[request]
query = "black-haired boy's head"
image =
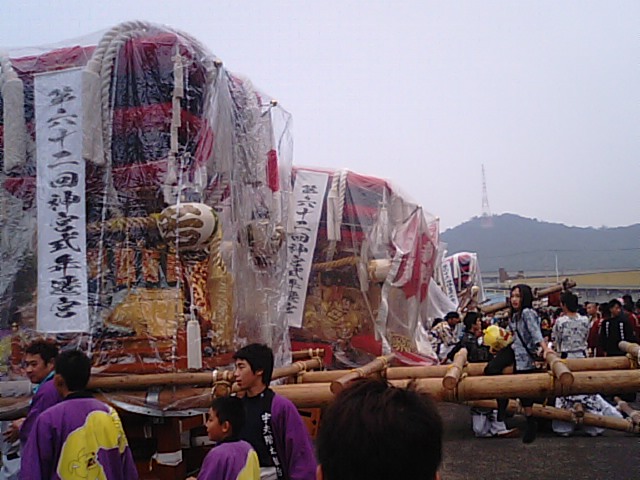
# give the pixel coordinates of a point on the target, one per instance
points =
(570, 301)
(226, 418)
(259, 357)
(373, 431)
(470, 320)
(74, 367)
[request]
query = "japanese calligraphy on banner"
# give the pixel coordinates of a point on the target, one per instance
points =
(62, 276)
(304, 219)
(449, 284)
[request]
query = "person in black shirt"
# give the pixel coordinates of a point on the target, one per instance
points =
(615, 329)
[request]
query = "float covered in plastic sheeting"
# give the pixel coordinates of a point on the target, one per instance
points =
(143, 189)
(360, 259)
(460, 278)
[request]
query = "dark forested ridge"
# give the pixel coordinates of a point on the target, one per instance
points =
(518, 243)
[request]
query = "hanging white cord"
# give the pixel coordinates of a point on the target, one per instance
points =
(335, 211)
(15, 127)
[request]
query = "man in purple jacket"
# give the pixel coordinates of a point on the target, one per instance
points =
(40, 357)
(273, 425)
(80, 437)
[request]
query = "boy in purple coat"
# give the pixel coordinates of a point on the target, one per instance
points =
(273, 425)
(232, 458)
(79, 437)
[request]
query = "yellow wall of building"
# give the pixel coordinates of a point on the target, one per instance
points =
(610, 279)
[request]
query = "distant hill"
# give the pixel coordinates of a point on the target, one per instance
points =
(518, 243)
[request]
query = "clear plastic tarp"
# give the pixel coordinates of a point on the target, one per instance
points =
(366, 289)
(143, 194)
(150, 216)
(461, 280)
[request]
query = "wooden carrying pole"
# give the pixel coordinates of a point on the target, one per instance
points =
(559, 369)
(632, 349)
(533, 385)
(136, 382)
(471, 369)
(306, 354)
(625, 408)
(570, 416)
(454, 371)
(370, 368)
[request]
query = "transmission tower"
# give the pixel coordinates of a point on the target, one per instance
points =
(487, 221)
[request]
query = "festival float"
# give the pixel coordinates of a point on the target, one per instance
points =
(150, 215)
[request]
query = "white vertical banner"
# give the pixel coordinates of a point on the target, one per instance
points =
(62, 273)
(304, 218)
(447, 278)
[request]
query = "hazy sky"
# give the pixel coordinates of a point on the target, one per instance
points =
(545, 94)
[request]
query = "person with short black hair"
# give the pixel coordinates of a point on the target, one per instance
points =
(79, 436)
(39, 360)
(570, 334)
(443, 335)
(231, 458)
(374, 431)
(571, 330)
(273, 425)
(614, 330)
(628, 311)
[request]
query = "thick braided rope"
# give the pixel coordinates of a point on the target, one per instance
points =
(342, 192)
(214, 249)
(324, 266)
(105, 55)
(106, 70)
(122, 224)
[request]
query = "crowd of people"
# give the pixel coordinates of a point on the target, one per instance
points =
(66, 433)
(372, 430)
(571, 331)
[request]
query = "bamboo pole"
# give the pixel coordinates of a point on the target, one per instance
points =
(552, 413)
(632, 349)
(297, 367)
(307, 354)
(471, 369)
(454, 371)
(559, 368)
(537, 385)
(625, 408)
(533, 385)
(373, 366)
(133, 382)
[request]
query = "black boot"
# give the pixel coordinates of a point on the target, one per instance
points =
(531, 430)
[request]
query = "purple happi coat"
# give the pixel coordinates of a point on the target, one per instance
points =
(79, 437)
(231, 460)
(46, 396)
(292, 439)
